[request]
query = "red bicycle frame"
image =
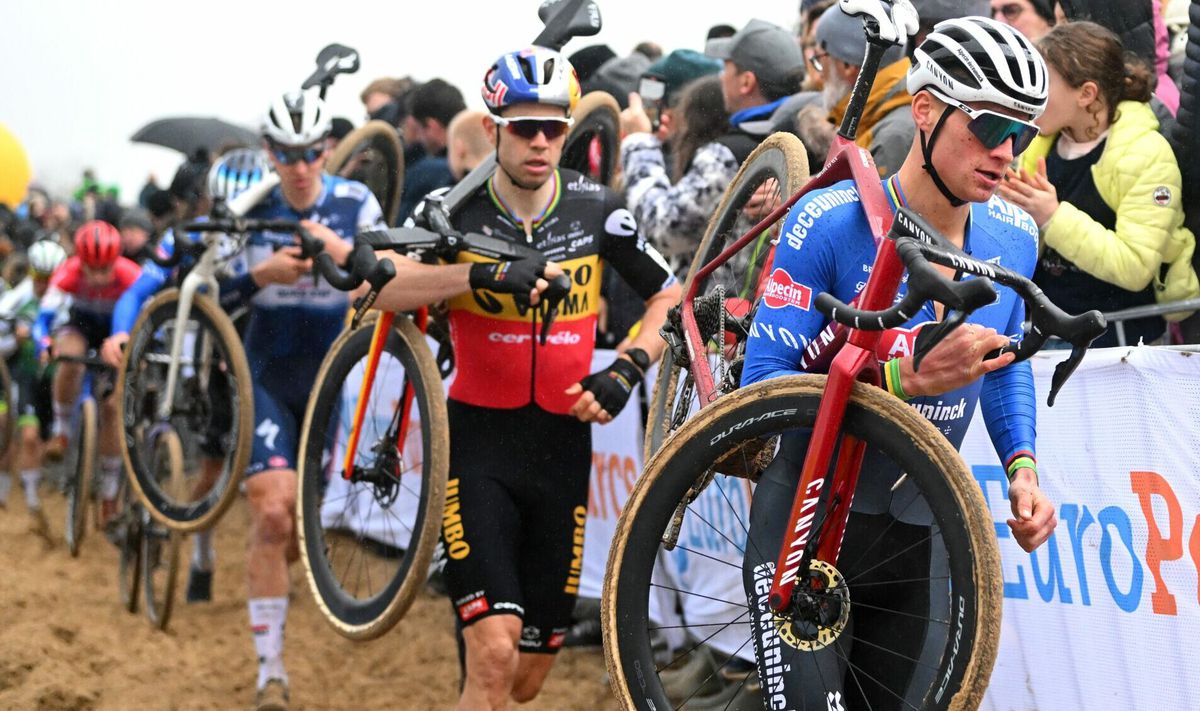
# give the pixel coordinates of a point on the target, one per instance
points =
(855, 360)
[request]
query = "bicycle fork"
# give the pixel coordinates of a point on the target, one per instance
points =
(383, 327)
(797, 552)
(201, 276)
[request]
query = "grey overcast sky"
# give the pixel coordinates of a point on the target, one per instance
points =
(79, 78)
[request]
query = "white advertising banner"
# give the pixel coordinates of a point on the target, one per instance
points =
(1106, 614)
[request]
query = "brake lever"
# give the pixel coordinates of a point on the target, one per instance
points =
(559, 287)
(936, 333)
(310, 247)
(380, 275)
(1063, 370)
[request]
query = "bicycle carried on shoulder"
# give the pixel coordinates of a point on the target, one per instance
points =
(695, 486)
(184, 367)
(374, 448)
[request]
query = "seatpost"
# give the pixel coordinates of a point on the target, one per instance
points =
(866, 79)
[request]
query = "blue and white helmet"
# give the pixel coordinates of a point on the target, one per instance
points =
(535, 75)
(237, 171)
(297, 118)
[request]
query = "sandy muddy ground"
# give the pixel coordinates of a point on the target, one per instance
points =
(65, 643)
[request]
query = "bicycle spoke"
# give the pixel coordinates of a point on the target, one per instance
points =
(702, 597)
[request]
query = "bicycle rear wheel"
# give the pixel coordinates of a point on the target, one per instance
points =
(696, 592)
(593, 144)
(367, 539)
(372, 154)
(771, 174)
(212, 408)
(79, 485)
(129, 560)
(160, 545)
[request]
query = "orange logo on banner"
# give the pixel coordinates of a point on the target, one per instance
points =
(614, 480)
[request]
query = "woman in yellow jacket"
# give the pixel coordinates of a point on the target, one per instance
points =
(1103, 186)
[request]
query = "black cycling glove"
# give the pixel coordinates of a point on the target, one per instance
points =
(518, 278)
(613, 385)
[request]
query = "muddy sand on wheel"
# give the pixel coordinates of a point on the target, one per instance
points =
(66, 643)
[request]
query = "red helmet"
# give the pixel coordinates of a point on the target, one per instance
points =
(97, 243)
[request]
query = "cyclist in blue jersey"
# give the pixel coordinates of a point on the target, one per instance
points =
(293, 320)
(976, 86)
(230, 176)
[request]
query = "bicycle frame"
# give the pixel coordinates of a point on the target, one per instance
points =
(383, 326)
(854, 361)
(204, 275)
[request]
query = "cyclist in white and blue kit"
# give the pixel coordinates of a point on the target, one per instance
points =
(293, 321)
(977, 85)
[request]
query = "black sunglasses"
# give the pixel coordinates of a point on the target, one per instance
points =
(288, 155)
(528, 127)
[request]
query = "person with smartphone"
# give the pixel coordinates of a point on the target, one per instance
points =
(762, 67)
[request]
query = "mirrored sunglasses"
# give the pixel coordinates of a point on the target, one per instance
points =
(288, 155)
(992, 128)
(528, 127)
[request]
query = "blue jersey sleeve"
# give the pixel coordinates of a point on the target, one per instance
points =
(1008, 397)
(148, 283)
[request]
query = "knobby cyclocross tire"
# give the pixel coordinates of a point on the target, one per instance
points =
(367, 543)
(129, 559)
(79, 486)
(781, 157)
(8, 422)
(160, 545)
(963, 525)
(141, 381)
(597, 116)
(373, 155)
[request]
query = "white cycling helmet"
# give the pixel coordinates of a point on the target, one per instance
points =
(45, 256)
(235, 172)
(978, 59)
(297, 118)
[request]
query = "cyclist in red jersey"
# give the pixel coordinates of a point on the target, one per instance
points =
(520, 437)
(94, 278)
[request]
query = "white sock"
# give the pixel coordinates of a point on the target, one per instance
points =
(202, 550)
(5, 487)
(30, 478)
(110, 477)
(62, 418)
(267, 618)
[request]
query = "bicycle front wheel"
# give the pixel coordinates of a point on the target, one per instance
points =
(691, 592)
(79, 486)
(367, 535)
(212, 408)
(595, 134)
(771, 174)
(160, 545)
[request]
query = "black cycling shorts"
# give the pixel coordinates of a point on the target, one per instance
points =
(94, 327)
(516, 507)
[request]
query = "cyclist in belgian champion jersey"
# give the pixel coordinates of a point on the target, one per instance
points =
(976, 86)
(293, 321)
(520, 411)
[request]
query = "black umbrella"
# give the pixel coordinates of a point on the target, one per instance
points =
(187, 133)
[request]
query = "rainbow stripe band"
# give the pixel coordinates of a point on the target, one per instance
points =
(1022, 461)
(891, 377)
